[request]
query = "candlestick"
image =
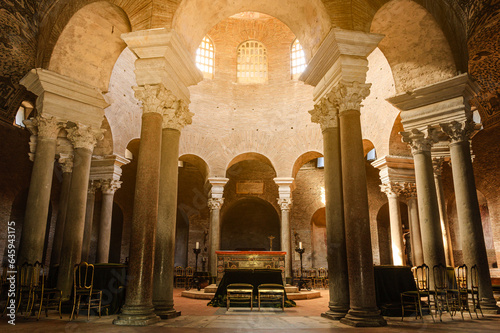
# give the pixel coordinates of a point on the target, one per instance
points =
(300, 245)
(197, 245)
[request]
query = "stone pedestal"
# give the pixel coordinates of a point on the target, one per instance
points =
(108, 189)
(469, 216)
(89, 219)
(37, 205)
(392, 191)
(84, 140)
(326, 115)
(66, 162)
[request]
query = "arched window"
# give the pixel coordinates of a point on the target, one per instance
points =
(297, 59)
(20, 116)
(252, 62)
(205, 57)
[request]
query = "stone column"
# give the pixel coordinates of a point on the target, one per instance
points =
(108, 189)
(392, 190)
(66, 162)
(430, 225)
(89, 218)
(326, 115)
(415, 235)
(215, 202)
(363, 309)
(174, 119)
(437, 164)
(469, 216)
(84, 139)
(138, 309)
(37, 205)
(285, 203)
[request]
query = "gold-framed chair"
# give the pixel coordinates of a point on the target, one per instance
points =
(83, 287)
(416, 300)
(271, 292)
(474, 290)
(47, 298)
(321, 278)
(460, 295)
(440, 292)
(179, 277)
(188, 273)
(239, 292)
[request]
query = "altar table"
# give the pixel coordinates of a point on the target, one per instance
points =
(249, 259)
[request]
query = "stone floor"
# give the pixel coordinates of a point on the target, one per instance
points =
(197, 317)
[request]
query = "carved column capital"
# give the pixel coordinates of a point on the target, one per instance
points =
(437, 165)
(392, 189)
(45, 127)
(420, 141)
(325, 113)
(154, 97)
(83, 136)
(459, 131)
(66, 162)
(349, 95)
(93, 186)
(177, 115)
(110, 186)
(285, 203)
(409, 190)
(215, 203)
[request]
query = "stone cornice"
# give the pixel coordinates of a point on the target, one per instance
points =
(420, 141)
(163, 58)
(396, 169)
(82, 136)
(65, 98)
(217, 190)
(285, 186)
(107, 167)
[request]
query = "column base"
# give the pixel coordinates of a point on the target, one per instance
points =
(166, 313)
(489, 306)
(136, 316)
(364, 318)
(334, 314)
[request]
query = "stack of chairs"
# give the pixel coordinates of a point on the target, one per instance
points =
(321, 280)
(188, 273)
(179, 277)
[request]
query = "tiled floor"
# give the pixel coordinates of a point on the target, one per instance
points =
(197, 317)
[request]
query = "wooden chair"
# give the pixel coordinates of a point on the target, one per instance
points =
(460, 294)
(47, 298)
(239, 292)
(271, 292)
(440, 292)
(188, 273)
(416, 300)
(474, 291)
(83, 288)
(23, 286)
(179, 277)
(321, 278)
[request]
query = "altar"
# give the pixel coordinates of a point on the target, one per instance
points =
(249, 260)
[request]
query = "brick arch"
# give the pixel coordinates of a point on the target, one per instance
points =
(308, 19)
(198, 162)
(303, 159)
(250, 156)
(429, 58)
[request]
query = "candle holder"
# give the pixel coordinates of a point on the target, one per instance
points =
(196, 252)
(302, 283)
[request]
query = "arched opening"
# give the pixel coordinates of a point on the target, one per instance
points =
(247, 224)
(318, 230)
(303, 159)
(90, 43)
(384, 234)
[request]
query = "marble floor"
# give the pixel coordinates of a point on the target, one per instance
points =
(197, 317)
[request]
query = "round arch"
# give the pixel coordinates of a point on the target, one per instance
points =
(90, 44)
(250, 156)
(308, 19)
(303, 159)
(318, 238)
(247, 223)
(198, 162)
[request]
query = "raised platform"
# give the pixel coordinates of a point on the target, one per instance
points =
(292, 293)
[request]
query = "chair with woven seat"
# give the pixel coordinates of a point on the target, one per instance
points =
(239, 292)
(271, 292)
(417, 299)
(440, 292)
(83, 289)
(474, 290)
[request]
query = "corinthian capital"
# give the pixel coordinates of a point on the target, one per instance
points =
(437, 165)
(420, 141)
(285, 203)
(82, 136)
(459, 131)
(215, 203)
(110, 186)
(349, 95)
(392, 189)
(154, 98)
(177, 115)
(409, 190)
(325, 113)
(45, 127)
(93, 186)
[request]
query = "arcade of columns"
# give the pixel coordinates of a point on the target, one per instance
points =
(437, 121)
